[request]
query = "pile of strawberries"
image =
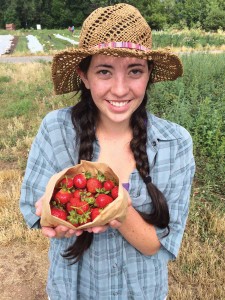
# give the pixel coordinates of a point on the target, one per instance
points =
(81, 198)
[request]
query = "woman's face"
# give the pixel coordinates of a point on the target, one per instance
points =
(117, 85)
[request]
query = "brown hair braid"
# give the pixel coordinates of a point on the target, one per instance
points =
(160, 214)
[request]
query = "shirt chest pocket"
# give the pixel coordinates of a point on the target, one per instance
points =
(141, 200)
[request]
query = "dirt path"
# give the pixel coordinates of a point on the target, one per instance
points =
(23, 272)
(24, 59)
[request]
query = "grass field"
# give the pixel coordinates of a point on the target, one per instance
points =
(196, 101)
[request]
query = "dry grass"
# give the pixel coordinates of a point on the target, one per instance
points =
(12, 224)
(199, 271)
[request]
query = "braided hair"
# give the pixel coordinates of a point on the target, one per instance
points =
(84, 119)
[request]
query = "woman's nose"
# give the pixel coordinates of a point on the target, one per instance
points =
(120, 87)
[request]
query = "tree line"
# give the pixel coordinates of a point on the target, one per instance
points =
(160, 14)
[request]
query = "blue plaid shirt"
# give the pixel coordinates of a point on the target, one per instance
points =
(112, 269)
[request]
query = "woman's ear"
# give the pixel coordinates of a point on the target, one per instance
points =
(83, 77)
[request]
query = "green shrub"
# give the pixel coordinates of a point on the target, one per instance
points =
(15, 109)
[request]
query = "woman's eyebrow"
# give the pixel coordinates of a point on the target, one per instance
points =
(104, 66)
(136, 65)
(111, 67)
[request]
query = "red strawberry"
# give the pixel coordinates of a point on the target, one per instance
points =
(63, 196)
(93, 184)
(82, 207)
(72, 204)
(95, 212)
(59, 213)
(80, 214)
(102, 200)
(66, 183)
(80, 181)
(114, 192)
(88, 197)
(77, 193)
(108, 185)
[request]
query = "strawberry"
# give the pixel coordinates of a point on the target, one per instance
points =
(63, 196)
(88, 197)
(79, 216)
(108, 185)
(82, 207)
(102, 200)
(59, 213)
(114, 192)
(93, 184)
(80, 181)
(66, 183)
(78, 193)
(72, 204)
(95, 212)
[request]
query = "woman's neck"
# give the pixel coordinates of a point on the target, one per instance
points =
(113, 130)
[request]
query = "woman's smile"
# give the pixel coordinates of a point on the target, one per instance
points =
(118, 103)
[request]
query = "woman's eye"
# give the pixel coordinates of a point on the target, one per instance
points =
(136, 72)
(103, 72)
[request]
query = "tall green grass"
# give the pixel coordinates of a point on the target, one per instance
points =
(187, 38)
(197, 101)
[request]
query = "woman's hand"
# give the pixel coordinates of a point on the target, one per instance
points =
(59, 231)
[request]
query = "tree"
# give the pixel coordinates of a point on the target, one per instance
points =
(26, 12)
(11, 15)
(154, 11)
(215, 20)
(208, 14)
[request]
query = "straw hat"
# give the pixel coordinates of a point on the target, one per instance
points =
(118, 30)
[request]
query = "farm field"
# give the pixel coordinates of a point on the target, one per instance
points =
(196, 101)
(48, 42)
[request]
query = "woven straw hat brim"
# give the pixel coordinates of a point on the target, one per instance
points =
(167, 66)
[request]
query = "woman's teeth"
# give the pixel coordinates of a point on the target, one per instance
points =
(118, 104)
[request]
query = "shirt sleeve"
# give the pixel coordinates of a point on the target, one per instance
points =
(40, 167)
(177, 194)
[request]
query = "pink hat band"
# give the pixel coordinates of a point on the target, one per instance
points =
(127, 45)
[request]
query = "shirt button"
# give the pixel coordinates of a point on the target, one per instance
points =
(154, 143)
(115, 293)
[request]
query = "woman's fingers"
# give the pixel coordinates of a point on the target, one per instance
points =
(60, 231)
(38, 206)
(99, 229)
(115, 224)
(48, 232)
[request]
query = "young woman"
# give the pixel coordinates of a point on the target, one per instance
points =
(112, 68)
